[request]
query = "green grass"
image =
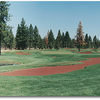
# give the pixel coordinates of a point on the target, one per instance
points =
(85, 82)
(38, 58)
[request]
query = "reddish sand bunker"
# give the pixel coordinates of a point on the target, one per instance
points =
(72, 50)
(52, 70)
(22, 53)
(67, 48)
(87, 52)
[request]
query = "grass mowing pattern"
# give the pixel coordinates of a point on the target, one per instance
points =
(84, 82)
(38, 59)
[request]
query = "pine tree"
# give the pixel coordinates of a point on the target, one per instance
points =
(99, 43)
(30, 36)
(44, 43)
(63, 40)
(59, 39)
(79, 42)
(11, 42)
(72, 43)
(67, 40)
(4, 16)
(17, 39)
(56, 44)
(22, 36)
(40, 42)
(90, 42)
(51, 40)
(46, 40)
(36, 37)
(9, 39)
(87, 41)
(95, 42)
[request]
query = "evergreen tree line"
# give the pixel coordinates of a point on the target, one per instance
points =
(29, 37)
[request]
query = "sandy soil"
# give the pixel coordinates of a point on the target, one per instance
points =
(52, 70)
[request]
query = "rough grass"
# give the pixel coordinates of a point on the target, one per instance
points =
(85, 82)
(37, 59)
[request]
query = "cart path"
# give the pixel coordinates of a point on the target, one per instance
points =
(52, 70)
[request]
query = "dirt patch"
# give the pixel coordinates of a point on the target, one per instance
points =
(72, 50)
(87, 52)
(75, 50)
(52, 70)
(22, 53)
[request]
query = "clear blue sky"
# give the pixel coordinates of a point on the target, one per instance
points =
(57, 15)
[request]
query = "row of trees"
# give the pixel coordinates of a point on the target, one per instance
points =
(29, 37)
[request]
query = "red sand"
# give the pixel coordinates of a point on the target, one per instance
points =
(22, 53)
(72, 50)
(87, 52)
(52, 70)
